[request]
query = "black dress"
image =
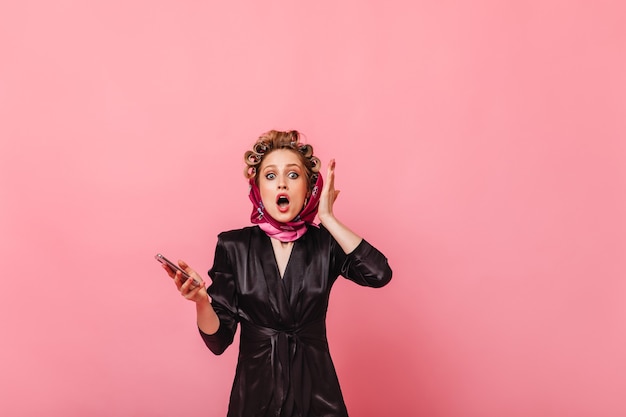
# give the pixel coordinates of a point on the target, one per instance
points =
(284, 367)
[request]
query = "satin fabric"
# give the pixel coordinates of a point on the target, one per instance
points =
(284, 367)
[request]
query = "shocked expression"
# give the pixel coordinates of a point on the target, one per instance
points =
(282, 184)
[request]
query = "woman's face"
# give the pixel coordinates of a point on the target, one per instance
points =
(283, 185)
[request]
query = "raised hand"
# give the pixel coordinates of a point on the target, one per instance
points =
(347, 239)
(328, 195)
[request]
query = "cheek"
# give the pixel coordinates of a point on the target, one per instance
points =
(266, 195)
(303, 194)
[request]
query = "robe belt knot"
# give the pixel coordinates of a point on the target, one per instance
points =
(290, 367)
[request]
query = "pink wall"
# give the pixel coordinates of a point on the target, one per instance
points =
(481, 147)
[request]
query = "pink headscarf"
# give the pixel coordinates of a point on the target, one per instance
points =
(290, 231)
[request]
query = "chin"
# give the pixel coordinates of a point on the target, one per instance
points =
(286, 218)
(283, 217)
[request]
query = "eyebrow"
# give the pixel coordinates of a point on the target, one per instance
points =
(287, 166)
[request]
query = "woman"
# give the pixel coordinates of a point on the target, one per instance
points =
(274, 279)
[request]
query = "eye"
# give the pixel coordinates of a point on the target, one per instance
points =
(270, 176)
(293, 175)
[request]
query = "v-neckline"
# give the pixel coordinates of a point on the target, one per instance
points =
(276, 247)
(279, 289)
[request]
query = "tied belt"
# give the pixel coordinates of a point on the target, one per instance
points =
(290, 368)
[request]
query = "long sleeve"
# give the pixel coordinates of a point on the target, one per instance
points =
(224, 300)
(366, 266)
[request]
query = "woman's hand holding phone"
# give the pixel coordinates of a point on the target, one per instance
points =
(193, 289)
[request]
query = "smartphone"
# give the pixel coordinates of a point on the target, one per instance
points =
(174, 267)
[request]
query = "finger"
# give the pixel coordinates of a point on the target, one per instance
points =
(327, 181)
(185, 267)
(178, 280)
(193, 274)
(190, 283)
(330, 176)
(331, 168)
(186, 283)
(192, 292)
(168, 270)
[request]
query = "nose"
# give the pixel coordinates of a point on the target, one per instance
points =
(282, 184)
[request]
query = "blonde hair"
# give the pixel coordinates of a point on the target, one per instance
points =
(290, 140)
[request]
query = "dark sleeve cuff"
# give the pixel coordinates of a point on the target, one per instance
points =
(218, 341)
(367, 266)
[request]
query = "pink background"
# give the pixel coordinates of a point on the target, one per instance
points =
(481, 146)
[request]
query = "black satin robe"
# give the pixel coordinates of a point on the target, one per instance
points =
(284, 367)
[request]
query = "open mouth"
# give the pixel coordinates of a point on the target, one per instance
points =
(282, 201)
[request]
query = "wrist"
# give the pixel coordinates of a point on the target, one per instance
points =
(325, 218)
(203, 300)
